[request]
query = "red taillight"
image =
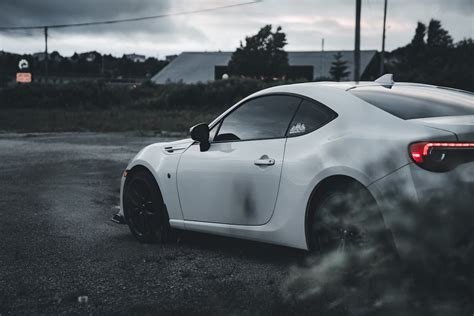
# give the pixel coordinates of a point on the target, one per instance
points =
(416, 151)
(434, 155)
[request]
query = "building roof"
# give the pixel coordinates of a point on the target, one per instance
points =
(192, 67)
(134, 55)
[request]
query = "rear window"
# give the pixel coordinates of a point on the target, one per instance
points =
(412, 102)
(309, 117)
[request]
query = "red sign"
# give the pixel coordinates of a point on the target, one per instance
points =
(23, 77)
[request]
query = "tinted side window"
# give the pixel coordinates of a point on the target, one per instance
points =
(412, 102)
(260, 118)
(310, 117)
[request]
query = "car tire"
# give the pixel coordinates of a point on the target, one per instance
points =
(144, 209)
(346, 218)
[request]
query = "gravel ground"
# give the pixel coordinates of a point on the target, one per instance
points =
(61, 254)
(58, 193)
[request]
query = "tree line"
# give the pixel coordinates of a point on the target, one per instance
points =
(431, 57)
(90, 64)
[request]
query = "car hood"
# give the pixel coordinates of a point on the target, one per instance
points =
(461, 126)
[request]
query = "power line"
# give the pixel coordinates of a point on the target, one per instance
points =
(45, 28)
(159, 16)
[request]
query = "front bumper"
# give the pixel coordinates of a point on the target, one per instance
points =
(119, 218)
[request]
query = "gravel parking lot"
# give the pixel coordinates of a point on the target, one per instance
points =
(61, 254)
(58, 193)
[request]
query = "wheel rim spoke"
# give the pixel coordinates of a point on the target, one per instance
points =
(143, 222)
(143, 213)
(135, 197)
(340, 226)
(342, 246)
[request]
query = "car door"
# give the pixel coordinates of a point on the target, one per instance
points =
(236, 181)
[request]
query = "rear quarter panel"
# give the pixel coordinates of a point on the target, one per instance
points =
(363, 143)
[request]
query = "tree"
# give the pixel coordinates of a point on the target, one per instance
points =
(437, 61)
(262, 56)
(437, 36)
(338, 68)
(419, 38)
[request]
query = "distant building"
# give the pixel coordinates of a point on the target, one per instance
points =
(54, 56)
(39, 56)
(136, 58)
(170, 58)
(90, 56)
(193, 67)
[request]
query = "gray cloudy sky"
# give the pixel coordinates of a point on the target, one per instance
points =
(304, 21)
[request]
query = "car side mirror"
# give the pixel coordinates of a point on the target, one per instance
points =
(200, 133)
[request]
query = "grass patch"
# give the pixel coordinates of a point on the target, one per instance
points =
(107, 120)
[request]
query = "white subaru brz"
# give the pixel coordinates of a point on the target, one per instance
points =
(313, 166)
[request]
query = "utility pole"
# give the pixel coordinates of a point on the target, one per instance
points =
(321, 58)
(102, 68)
(382, 54)
(357, 42)
(46, 50)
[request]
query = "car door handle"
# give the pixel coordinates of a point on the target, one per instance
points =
(264, 161)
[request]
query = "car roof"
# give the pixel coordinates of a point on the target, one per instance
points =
(331, 93)
(348, 85)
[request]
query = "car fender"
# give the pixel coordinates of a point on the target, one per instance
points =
(161, 160)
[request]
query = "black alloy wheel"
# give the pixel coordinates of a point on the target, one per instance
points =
(144, 209)
(346, 219)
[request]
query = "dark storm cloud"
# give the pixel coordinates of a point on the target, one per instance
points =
(47, 12)
(463, 7)
(25, 12)
(304, 21)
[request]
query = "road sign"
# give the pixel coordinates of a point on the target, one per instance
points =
(23, 77)
(23, 64)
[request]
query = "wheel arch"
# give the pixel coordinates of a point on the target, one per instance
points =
(321, 188)
(142, 167)
(139, 167)
(165, 233)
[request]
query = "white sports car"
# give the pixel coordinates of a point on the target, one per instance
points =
(314, 166)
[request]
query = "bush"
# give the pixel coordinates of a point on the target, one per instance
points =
(211, 96)
(69, 96)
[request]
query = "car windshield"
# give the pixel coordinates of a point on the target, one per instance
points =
(412, 101)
